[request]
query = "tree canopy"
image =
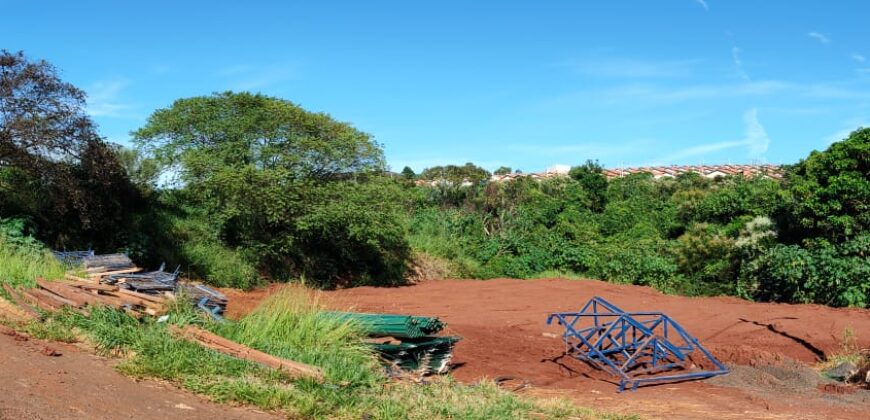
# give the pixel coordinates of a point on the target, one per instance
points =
(271, 179)
(831, 189)
(54, 169)
(456, 174)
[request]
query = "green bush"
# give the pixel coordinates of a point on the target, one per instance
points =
(829, 275)
(23, 258)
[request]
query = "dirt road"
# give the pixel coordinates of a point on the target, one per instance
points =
(79, 385)
(771, 346)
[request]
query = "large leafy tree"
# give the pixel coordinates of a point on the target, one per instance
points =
(267, 172)
(830, 190)
(591, 176)
(54, 168)
(456, 174)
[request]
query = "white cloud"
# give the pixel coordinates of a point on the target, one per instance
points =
(818, 36)
(103, 99)
(632, 68)
(756, 142)
(559, 168)
(703, 4)
(849, 126)
(756, 137)
(858, 57)
(738, 63)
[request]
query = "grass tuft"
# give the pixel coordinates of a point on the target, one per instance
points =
(20, 266)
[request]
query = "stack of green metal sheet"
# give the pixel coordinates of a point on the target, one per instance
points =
(416, 348)
(398, 326)
(424, 355)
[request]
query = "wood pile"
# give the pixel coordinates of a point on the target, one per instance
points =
(98, 274)
(81, 294)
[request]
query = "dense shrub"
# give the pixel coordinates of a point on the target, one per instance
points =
(801, 240)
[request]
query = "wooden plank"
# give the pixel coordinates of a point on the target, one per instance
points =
(144, 296)
(95, 287)
(41, 301)
(217, 343)
(60, 299)
(79, 296)
(64, 292)
(109, 273)
(15, 295)
(14, 313)
(133, 300)
(72, 277)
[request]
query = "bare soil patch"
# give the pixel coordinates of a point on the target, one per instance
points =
(60, 381)
(771, 347)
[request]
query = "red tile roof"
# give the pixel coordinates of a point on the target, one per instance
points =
(709, 171)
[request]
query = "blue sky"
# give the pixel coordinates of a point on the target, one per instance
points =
(522, 84)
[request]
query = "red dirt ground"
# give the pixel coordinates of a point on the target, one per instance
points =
(502, 323)
(40, 380)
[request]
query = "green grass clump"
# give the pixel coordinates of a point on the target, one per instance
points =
(291, 324)
(23, 259)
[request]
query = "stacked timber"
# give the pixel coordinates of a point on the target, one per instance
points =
(405, 342)
(80, 295)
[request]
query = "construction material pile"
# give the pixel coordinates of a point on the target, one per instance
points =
(51, 296)
(118, 271)
(404, 342)
(398, 326)
(208, 300)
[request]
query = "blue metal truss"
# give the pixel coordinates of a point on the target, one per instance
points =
(638, 347)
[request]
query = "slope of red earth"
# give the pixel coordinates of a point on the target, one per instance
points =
(40, 380)
(771, 348)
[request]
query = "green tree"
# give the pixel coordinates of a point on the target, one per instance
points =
(55, 170)
(503, 170)
(830, 190)
(276, 179)
(591, 176)
(408, 173)
(457, 175)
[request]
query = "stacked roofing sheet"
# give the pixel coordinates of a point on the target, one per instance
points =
(411, 346)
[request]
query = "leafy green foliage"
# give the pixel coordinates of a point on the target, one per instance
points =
(292, 192)
(456, 175)
(590, 176)
(408, 173)
(801, 240)
(503, 170)
(55, 171)
(23, 258)
(830, 190)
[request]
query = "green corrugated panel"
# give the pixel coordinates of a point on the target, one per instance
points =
(388, 325)
(425, 355)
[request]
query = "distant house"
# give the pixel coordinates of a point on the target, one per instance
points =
(707, 171)
(659, 172)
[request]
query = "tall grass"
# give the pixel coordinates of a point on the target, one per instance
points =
(290, 324)
(23, 259)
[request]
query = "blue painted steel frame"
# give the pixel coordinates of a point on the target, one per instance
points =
(638, 347)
